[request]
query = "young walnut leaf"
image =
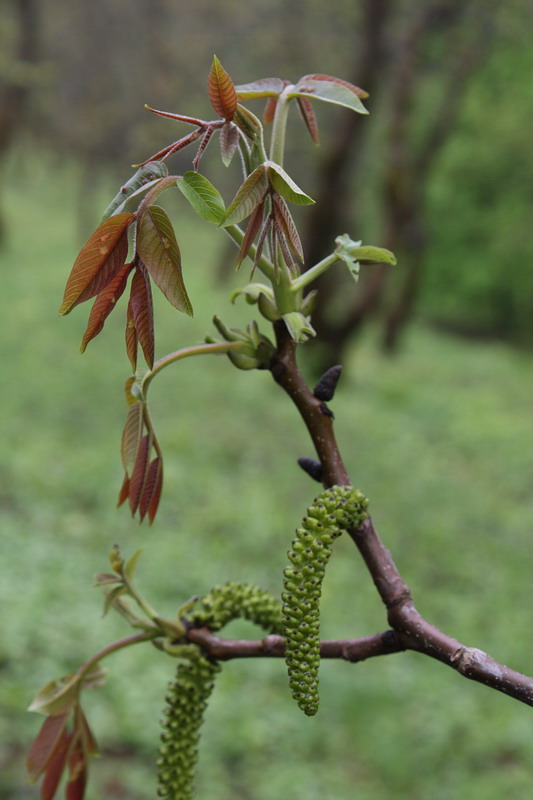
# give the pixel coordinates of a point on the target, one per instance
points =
(221, 91)
(159, 251)
(99, 260)
(104, 304)
(264, 87)
(330, 90)
(250, 195)
(308, 115)
(229, 140)
(142, 313)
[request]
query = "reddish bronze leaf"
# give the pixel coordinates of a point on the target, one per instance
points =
(143, 313)
(308, 115)
(221, 91)
(270, 109)
(229, 140)
(131, 436)
(56, 767)
(252, 230)
(284, 219)
(139, 473)
(98, 261)
(158, 250)
(131, 338)
(152, 487)
(104, 304)
(77, 764)
(156, 495)
(45, 744)
(124, 491)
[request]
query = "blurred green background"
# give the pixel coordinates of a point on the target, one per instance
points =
(439, 437)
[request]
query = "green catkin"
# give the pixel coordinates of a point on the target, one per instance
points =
(187, 695)
(186, 701)
(236, 600)
(333, 511)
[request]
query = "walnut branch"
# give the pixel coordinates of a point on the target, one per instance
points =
(410, 631)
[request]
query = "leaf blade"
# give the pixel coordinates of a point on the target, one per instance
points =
(203, 196)
(249, 195)
(285, 186)
(159, 251)
(98, 261)
(332, 91)
(221, 91)
(104, 304)
(143, 313)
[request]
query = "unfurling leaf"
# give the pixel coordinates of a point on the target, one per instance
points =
(270, 110)
(265, 87)
(331, 78)
(139, 473)
(298, 326)
(221, 91)
(99, 260)
(151, 490)
(158, 250)
(248, 196)
(131, 436)
(229, 140)
(203, 196)
(45, 744)
(246, 121)
(283, 217)
(57, 697)
(285, 186)
(252, 229)
(132, 339)
(104, 304)
(142, 180)
(330, 90)
(143, 313)
(308, 115)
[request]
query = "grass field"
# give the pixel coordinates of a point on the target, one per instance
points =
(441, 441)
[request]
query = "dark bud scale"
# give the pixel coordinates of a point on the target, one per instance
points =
(312, 467)
(325, 388)
(335, 510)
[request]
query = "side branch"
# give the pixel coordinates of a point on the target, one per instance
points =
(273, 646)
(410, 631)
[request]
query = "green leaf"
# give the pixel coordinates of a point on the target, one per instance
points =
(265, 87)
(145, 177)
(298, 326)
(373, 255)
(252, 291)
(285, 186)
(203, 196)
(58, 696)
(329, 92)
(110, 598)
(159, 251)
(352, 264)
(249, 196)
(131, 564)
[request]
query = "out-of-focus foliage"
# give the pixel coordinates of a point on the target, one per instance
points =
(443, 429)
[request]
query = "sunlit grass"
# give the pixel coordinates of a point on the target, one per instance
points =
(440, 440)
